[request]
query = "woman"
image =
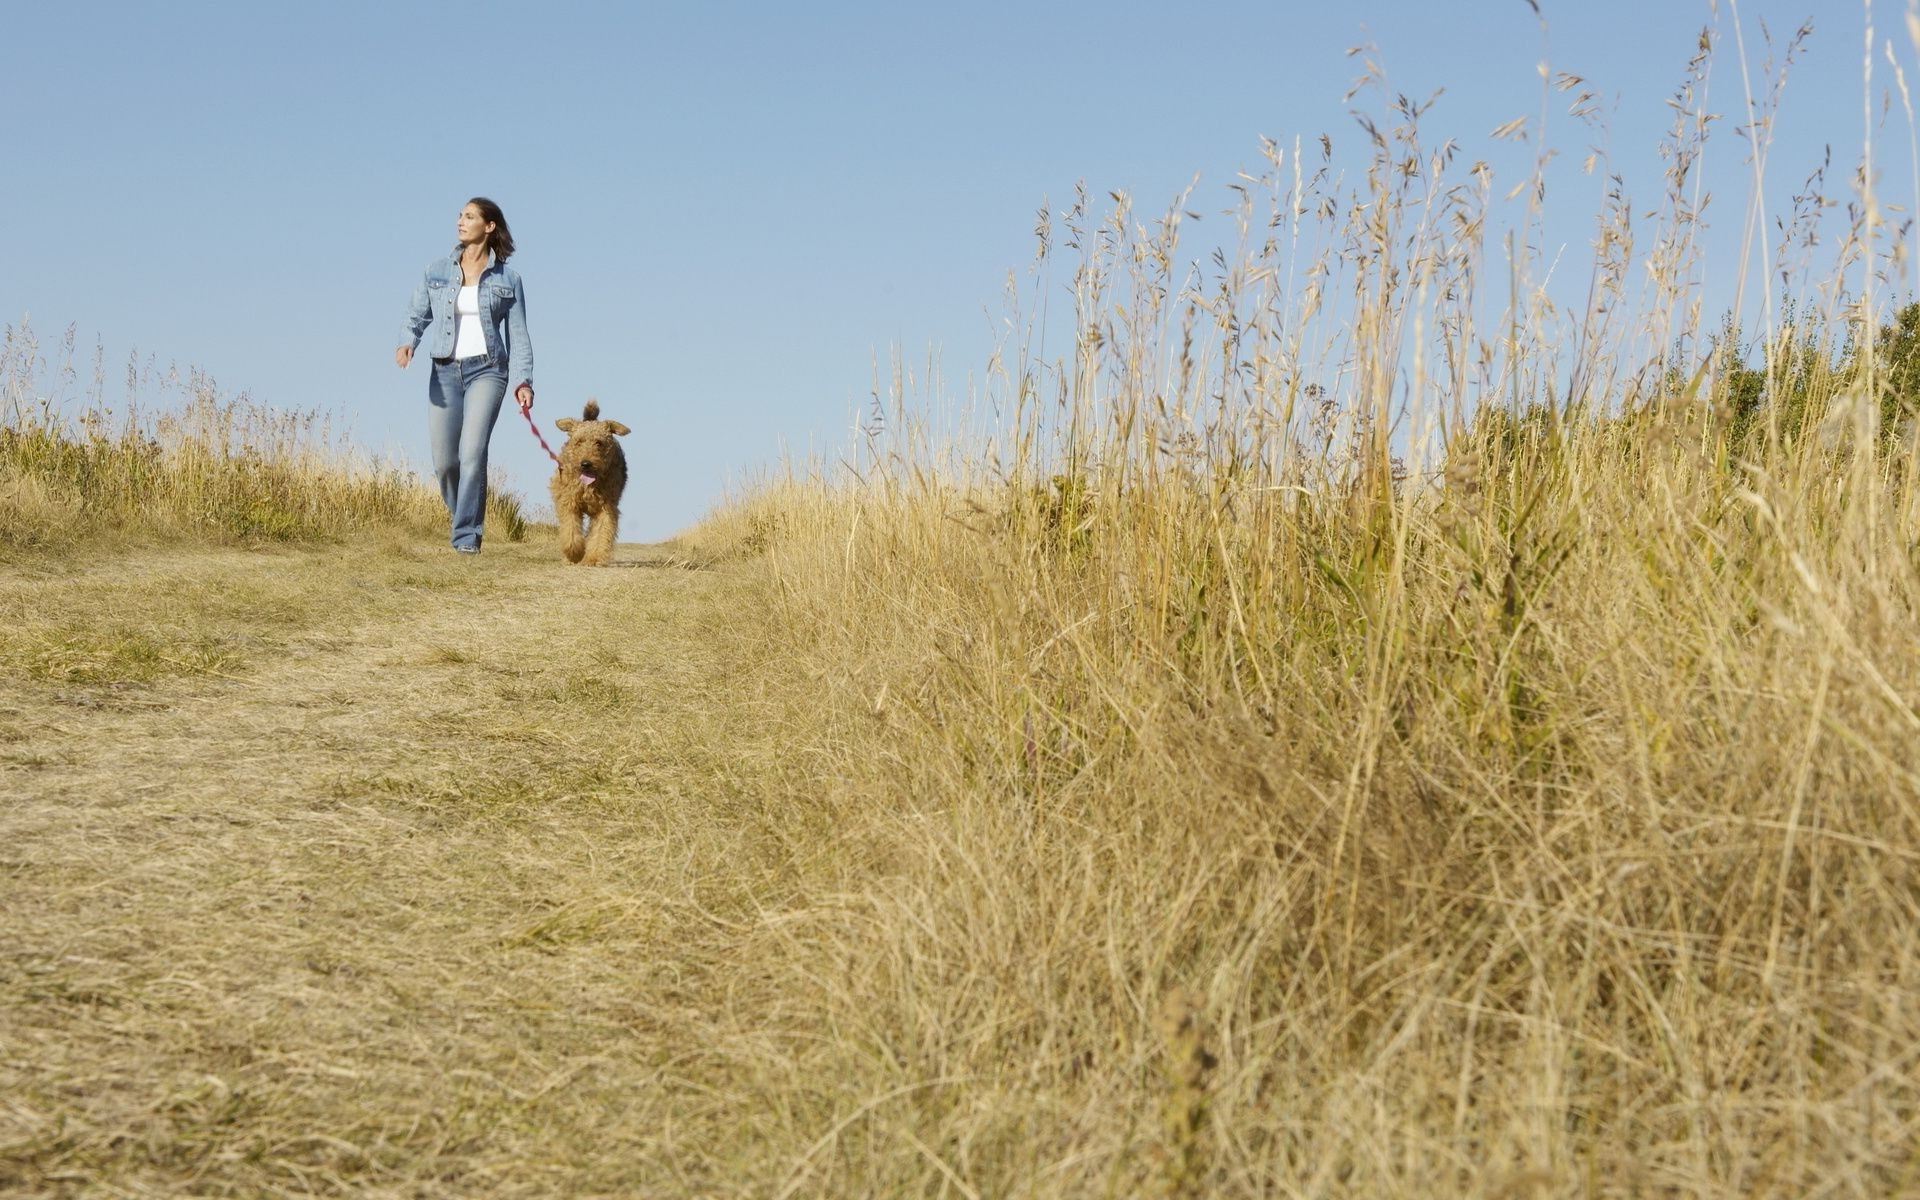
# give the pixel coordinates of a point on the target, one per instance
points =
(477, 309)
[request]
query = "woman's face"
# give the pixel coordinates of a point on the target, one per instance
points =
(473, 227)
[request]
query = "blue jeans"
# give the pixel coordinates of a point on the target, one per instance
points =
(463, 401)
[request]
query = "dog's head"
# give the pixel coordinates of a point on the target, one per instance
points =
(590, 451)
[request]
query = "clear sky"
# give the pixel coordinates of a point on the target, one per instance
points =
(726, 211)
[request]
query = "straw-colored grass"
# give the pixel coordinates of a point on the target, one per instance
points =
(1488, 725)
(373, 871)
(199, 464)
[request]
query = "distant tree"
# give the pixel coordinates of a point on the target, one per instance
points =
(1739, 388)
(1896, 356)
(1783, 385)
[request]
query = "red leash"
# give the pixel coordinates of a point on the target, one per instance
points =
(528, 414)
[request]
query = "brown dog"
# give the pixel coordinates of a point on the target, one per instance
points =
(588, 483)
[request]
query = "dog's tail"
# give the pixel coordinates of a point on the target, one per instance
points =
(591, 412)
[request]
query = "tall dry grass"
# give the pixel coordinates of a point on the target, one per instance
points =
(1358, 724)
(198, 464)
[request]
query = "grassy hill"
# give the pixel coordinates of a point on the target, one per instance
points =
(1347, 726)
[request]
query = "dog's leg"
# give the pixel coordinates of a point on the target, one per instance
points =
(601, 536)
(567, 512)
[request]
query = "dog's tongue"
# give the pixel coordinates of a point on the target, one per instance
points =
(587, 477)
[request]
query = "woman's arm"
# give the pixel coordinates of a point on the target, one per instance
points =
(419, 316)
(519, 345)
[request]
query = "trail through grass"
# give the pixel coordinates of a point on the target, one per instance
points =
(370, 872)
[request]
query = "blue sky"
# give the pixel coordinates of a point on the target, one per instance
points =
(725, 212)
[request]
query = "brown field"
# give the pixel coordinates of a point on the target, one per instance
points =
(1346, 727)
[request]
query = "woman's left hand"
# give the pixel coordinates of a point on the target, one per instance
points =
(524, 394)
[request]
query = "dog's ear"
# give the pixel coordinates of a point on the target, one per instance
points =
(619, 430)
(565, 424)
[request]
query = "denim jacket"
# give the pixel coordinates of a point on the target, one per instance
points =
(503, 315)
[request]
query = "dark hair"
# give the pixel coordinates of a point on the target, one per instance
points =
(500, 241)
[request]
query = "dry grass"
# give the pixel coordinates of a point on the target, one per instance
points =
(379, 901)
(199, 464)
(1535, 816)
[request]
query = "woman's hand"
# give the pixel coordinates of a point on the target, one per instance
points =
(403, 356)
(524, 394)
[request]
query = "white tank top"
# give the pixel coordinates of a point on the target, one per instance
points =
(469, 340)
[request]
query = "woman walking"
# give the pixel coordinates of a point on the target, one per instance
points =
(477, 309)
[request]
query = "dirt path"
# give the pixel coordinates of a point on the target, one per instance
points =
(368, 871)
